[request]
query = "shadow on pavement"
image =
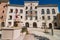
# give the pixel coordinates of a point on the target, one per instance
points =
(41, 37)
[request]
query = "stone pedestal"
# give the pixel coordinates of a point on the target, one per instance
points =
(10, 34)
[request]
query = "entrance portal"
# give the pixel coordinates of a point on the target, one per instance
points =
(27, 24)
(34, 25)
(50, 25)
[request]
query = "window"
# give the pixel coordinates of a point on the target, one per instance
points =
(48, 17)
(48, 11)
(21, 11)
(36, 18)
(3, 11)
(21, 17)
(26, 17)
(9, 23)
(1, 17)
(31, 12)
(55, 24)
(44, 25)
(10, 17)
(54, 17)
(36, 12)
(0, 2)
(50, 25)
(16, 16)
(16, 10)
(31, 8)
(11, 10)
(26, 8)
(0, 36)
(42, 11)
(26, 12)
(34, 25)
(53, 11)
(26, 24)
(5, 5)
(36, 7)
(43, 17)
(30, 17)
(15, 23)
(2, 24)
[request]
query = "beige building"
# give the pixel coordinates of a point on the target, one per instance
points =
(58, 20)
(3, 11)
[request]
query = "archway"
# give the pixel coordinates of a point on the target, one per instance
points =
(27, 24)
(50, 25)
(35, 25)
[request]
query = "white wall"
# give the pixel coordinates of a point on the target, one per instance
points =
(39, 15)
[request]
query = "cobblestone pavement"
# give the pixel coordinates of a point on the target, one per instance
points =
(56, 35)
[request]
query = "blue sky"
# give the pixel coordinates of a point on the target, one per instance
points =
(21, 2)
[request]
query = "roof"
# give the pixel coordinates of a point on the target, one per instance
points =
(4, 0)
(48, 5)
(16, 5)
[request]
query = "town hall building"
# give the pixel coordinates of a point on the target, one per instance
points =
(32, 15)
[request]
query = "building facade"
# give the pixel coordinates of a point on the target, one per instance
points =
(3, 11)
(58, 20)
(32, 15)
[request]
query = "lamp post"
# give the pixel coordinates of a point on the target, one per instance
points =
(52, 30)
(45, 26)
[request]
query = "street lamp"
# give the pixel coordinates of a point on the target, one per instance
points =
(52, 29)
(45, 26)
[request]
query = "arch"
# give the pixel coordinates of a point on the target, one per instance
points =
(55, 24)
(48, 11)
(43, 11)
(50, 25)
(34, 24)
(53, 11)
(27, 24)
(16, 10)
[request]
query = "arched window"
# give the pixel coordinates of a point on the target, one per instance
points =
(21, 10)
(26, 7)
(53, 11)
(42, 11)
(55, 24)
(16, 10)
(34, 24)
(48, 17)
(30, 17)
(43, 18)
(2, 24)
(15, 24)
(27, 24)
(54, 17)
(50, 25)
(36, 12)
(26, 17)
(31, 8)
(11, 11)
(26, 12)
(35, 7)
(36, 17)
(48, 11)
